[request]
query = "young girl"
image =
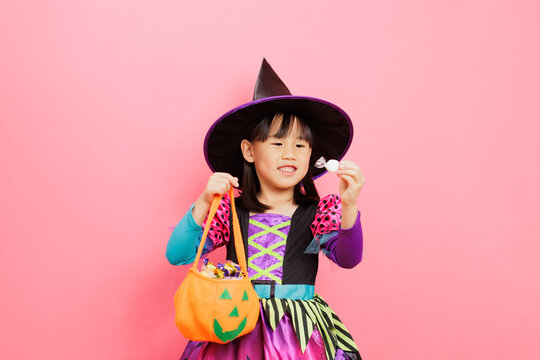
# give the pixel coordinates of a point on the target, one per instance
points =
(284, 223)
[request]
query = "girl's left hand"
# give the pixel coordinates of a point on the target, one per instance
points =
(351, 182)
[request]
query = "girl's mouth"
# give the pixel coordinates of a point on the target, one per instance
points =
(287, 170)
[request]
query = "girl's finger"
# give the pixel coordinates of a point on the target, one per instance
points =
(225, 188)
(221, 188)
(351, 172)
(348, 164)
(355, 168)
(232, 179)
(352, 185)
(348, 179)
(225, 181)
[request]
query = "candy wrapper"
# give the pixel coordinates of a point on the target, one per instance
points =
(330, 165)
(228, 271)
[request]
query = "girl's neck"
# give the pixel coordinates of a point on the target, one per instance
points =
(281, 201)
(273, 196)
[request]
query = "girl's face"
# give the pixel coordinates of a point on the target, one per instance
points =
(280, 163)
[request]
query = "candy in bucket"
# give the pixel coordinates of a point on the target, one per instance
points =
(228, 271)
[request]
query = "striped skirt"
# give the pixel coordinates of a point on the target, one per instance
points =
(287, 329)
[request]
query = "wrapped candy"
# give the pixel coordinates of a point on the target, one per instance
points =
(330, 165)
(209, 265)
(219, 274)
(230, 268)
(207, 272)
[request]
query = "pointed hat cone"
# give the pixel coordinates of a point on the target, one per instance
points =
(268, 83)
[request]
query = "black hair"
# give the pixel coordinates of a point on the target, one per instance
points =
(305, 192)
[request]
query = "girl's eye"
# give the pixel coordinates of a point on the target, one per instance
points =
(300, 145)
(277, 143)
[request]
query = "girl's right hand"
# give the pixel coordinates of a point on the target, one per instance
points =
(218, 183)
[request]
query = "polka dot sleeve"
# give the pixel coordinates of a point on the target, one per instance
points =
(328, 216)
(219, 228)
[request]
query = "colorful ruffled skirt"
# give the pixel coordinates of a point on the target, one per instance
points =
(287, 329)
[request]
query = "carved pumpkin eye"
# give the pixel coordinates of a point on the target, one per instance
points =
(226, 295)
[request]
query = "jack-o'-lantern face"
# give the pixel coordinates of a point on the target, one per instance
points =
(230, 320)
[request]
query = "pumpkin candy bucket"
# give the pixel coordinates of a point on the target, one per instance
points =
(217, 310)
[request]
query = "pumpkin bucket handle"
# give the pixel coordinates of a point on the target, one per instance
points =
(238, 242)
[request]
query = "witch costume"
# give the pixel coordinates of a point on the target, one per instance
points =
(281, 251)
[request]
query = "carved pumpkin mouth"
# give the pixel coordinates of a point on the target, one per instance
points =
(228, 335)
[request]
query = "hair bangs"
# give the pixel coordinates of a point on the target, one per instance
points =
(284, 123)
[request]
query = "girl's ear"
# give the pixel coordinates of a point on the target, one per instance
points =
(247, 151)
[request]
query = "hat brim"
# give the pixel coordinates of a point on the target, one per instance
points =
(332, 128)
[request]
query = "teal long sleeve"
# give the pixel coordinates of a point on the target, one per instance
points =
(184, 240)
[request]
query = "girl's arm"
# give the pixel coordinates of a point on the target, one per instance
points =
(337, 229)
(347, 247)
(182, 245)
(186, 236)
(351, 182)
(342, 245)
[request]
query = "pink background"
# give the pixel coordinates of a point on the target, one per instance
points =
(104, 106)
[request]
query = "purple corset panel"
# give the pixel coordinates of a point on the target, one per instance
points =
(266, 245)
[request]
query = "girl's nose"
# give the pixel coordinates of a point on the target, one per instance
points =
(288, 153)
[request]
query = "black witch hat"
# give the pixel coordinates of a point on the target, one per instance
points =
(331, 126)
